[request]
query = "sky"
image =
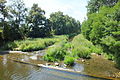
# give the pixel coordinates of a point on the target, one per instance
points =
(74, 8)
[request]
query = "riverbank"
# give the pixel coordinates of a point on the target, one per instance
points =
(65, 53)
(32, 44)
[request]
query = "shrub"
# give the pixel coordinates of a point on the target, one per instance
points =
(81, 47)
(82, 52)
(56, 52)
(69, 60)
(109, 56)
(97, 49)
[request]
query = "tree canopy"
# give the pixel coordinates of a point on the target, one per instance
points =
(19, 22)
(94, 5)
(37, 22)
(103, 27)
(64, 24)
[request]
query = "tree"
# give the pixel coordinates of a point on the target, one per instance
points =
(94, 5)
(103, 28)
(63, 24)
(17, 11)
(37, 22)
(3, 16)
(3, 11)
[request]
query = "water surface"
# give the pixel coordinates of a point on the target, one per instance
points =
(10, 70)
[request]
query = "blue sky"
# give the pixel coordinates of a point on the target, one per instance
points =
(74, 8)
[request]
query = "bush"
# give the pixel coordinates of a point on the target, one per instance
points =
(56, 53)
(82, 52)
(81, 47)
(69, 60)
(97, 49)
(32, 47)
(109, 56)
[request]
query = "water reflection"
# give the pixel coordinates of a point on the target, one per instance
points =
(78, 67)
(18, 71)
(4, 60)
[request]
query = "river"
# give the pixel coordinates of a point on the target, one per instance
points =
(11, 70)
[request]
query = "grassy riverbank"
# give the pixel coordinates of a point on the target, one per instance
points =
(79, 47)
(64, 48)
(32, 44)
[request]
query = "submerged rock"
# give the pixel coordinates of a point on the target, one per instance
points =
(56, 64)
(65, 65)
(83, 60)
(34, 57)
(47, 64)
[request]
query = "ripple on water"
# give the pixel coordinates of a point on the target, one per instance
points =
(19, 71)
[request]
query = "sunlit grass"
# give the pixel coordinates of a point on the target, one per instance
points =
(32, 44)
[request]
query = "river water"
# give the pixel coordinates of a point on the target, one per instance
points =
(10, 70)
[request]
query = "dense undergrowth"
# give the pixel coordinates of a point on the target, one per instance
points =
(79, 47)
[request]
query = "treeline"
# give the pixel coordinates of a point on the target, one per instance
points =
(103, 26)
(19, 22)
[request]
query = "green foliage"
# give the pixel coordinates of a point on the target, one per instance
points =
(32, 44)
(94, 5)
(57, 52)
(108, 44)
(81, 52)
(103, 28)
(16, 20)
(69, 60)
(81, 47)
(69, 51)
(63, 24)
(101, 24)
(39, 25)
(97, 49)
(109, 56)
(11, 34)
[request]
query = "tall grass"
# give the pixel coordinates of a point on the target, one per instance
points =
(32, 44)
(57, 52)
(83, 47)
(79, 47)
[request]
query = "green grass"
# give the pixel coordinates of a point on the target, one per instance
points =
(82, 48)
(32, 44)
(57, 52)
(79, 47)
